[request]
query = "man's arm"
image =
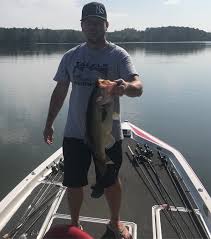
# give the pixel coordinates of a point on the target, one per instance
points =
(131, 88)
(57, 100)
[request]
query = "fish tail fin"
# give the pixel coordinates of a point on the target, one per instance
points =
(101, 167)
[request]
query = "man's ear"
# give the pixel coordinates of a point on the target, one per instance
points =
(107, 25)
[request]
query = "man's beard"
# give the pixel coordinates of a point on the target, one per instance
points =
(98, 39)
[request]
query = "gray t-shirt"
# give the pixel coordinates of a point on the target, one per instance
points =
(82, 66)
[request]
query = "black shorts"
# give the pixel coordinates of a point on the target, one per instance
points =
(77, 161)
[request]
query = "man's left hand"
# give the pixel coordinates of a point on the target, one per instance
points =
(120, 87)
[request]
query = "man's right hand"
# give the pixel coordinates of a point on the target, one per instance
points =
(48, 134)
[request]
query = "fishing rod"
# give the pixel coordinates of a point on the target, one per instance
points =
(136, 165)
(174, 182)
(41, 192)
(167, 210)
(36, 207)
(153, 191)
(148, 161)
(54, 176)
(184, 198)
(145, 160)
(203, 231)
(40, 214)
(15, 230)
(51, 185)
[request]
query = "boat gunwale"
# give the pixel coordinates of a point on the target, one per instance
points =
(14, 199)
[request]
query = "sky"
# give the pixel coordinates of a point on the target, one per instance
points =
(138, 14)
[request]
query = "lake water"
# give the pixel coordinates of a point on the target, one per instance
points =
(175, 106)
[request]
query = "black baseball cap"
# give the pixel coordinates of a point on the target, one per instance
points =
(94, 9)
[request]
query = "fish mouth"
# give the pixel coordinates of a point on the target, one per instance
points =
(106, 91)
(106, 86)
(103, 84)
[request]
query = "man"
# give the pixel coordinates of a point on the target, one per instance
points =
(83, 66)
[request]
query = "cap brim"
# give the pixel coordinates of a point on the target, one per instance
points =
(103, 18)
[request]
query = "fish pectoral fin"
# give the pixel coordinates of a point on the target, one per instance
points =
(108, 160)
(115, 116)
(110, 141)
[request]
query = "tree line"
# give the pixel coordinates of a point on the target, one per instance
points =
(160, 34)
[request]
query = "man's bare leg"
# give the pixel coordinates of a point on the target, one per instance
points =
(75, 199)
(114, 196)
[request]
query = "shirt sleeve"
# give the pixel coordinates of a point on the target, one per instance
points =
(62, 73)
(126, 67)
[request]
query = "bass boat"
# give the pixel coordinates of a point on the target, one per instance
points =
(162, 196)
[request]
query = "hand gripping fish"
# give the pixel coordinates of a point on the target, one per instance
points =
(99, 121)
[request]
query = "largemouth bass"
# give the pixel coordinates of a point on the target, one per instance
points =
(99, 121)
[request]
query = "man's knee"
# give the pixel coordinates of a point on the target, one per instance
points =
(75, 190)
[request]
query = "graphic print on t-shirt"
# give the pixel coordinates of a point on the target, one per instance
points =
(86, 74)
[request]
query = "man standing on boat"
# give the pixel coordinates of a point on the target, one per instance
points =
(83, 65)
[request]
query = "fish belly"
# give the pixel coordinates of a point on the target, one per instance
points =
(103, 135)
(99, 129)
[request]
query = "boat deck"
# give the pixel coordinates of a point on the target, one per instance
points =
(145, 202)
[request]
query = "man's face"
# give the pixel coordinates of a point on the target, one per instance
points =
(94, 28)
